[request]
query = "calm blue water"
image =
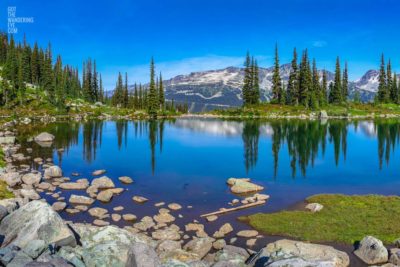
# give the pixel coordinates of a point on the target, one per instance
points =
(189, 160)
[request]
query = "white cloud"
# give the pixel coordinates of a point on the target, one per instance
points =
(169, 69)
(320, 43)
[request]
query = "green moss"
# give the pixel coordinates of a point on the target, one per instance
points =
(4, 193)
(344, 219)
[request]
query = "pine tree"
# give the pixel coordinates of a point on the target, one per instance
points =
(394, 92)
(382, 89)
(324, 89)
(292, 97)
(161, 97)
(277, 96)
(247, 81)
(125, 95)
(345, 83)
(152, 105)
(335, 95)
(256, 84)
(389, 80)
(315, 95)
(305, 80)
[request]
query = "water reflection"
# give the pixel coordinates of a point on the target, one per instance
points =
(298, 142)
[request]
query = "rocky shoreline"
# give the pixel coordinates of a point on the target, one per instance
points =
(34, 234)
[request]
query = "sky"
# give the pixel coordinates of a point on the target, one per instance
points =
(190, 35)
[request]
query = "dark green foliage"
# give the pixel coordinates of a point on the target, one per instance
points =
(152, 105)
(382, 95)
(161, 97)
(292, 94)
(324, 89)
(305, 80)
(394, 90)
(345, 83)
(277, 90)
(335, 95)
(251, 87)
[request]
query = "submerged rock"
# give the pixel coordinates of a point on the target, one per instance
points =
(372, 251)
(73, 186)
(139, 199)
(98, 172)
(126, 179)
(35, 220)
(223, 230)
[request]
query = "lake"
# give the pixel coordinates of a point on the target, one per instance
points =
(188, 160)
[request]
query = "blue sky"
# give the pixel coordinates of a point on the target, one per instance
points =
(185, 36)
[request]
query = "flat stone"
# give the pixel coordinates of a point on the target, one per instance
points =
(223, 230)
(83, 200)
(98, 172)
(116, 217)
(52, 172)
(219, 244)
(11, 178)
(73, 186)
(212, 218)
(166, 234)
(129, 217)
(145, 223)
(97, 212)
(194, 227)
(247, 233)
(139, 199)
(44, 137)
(81, 207)
(99, 222)
(105, 196)
(243, 186)
(200, 246)
(164, 218)
(59, 206)
(159, 204)
(118, 208)
(174, 206)
(44, 186)
(251, 242)
(126, 179)
(72, 210)
(31, 178)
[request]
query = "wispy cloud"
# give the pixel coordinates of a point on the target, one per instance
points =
(169, 69)
(319, 43)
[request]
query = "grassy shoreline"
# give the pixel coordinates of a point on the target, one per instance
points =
(4, 192)
(344, 219)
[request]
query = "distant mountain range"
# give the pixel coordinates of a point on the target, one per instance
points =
(222, 88)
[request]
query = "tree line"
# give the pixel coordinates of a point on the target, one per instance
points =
(388, 88)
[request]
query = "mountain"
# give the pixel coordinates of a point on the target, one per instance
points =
(221, 88)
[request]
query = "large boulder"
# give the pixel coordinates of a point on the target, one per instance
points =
(243, 186)
(35, 220)
(200, 246)
(295, 253)
(44, 137)
(52, 172)
(11, 178)
(142, 255)
(107, 246)
(372, 251)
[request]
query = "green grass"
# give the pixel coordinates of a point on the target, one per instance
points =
(4, 193)
(344, 219)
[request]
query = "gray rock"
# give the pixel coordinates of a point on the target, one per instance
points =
(8, 253)
(59, 206)
(7, 140)
(72, 255)
(103, 182)
(11, 178)
(3, 212)
(314, 207)
(20, 259)
(73, 186)
(52, 172)
(35, 220)
(168, 245)
(81, 200)
(44, 137)
(98, 172)
(142, 255)
(395, 256)
(323, 114)
(31, 178)
(34, 248)
(372, 251)
(30, 194)
(126, 179)
(105, 196)
(10, 204)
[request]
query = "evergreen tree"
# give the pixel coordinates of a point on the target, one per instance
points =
(324, 89)
(277, 95)
(152, 105)
(394, 92)
(125, 96)
(335, 95)
(161, 97)
(345, 83)
(256, 84)
(247, 81)
(315, 94)
(305, 80)
(382, 95)
(293, 85)
(389, 80)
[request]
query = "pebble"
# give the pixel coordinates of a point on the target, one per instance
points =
(116, 217)
(129, 217)
(139, 199)
(251, 242)
(159, 204)
(118, 208)
(99, 222)
(212, 218)
(174, 206)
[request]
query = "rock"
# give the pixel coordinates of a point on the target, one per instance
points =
(52, 172)
(219, 244)
(98, 212)
(142, 255)
(372, 251)
(98, 172)
(82, 200)
(176, 258)
(3, 212)
(34, 248)
(99, 222)
(223, 230)
(200, 246)
(243, 186)
(231, 256)
(212, 218)
(159, 204)
(129, 217)
(116, 191)
(72, 211)
(395, 256)
(166, 234)
(118, 208)
(31, 178)
(103, 183)
(247, 233)
(11, 178)
(105, 196)
(164, 218)
(251, 242)
(314, 207)
(81, 207)
(20, 259)
(7, 254)
(323, 114)
(35, 220)
(30, 194)
(44, 137)
(44, 186)
(73, 186)
(59, 206)
(174, 206)
(168, 245)
(107, 246)
(194, 227)
(295, 253)
(116, 217)
(144, 224)
(126, 179)
(9, 140)
(10, 204)
(92, 191)
(260, 197)
(139, 199)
